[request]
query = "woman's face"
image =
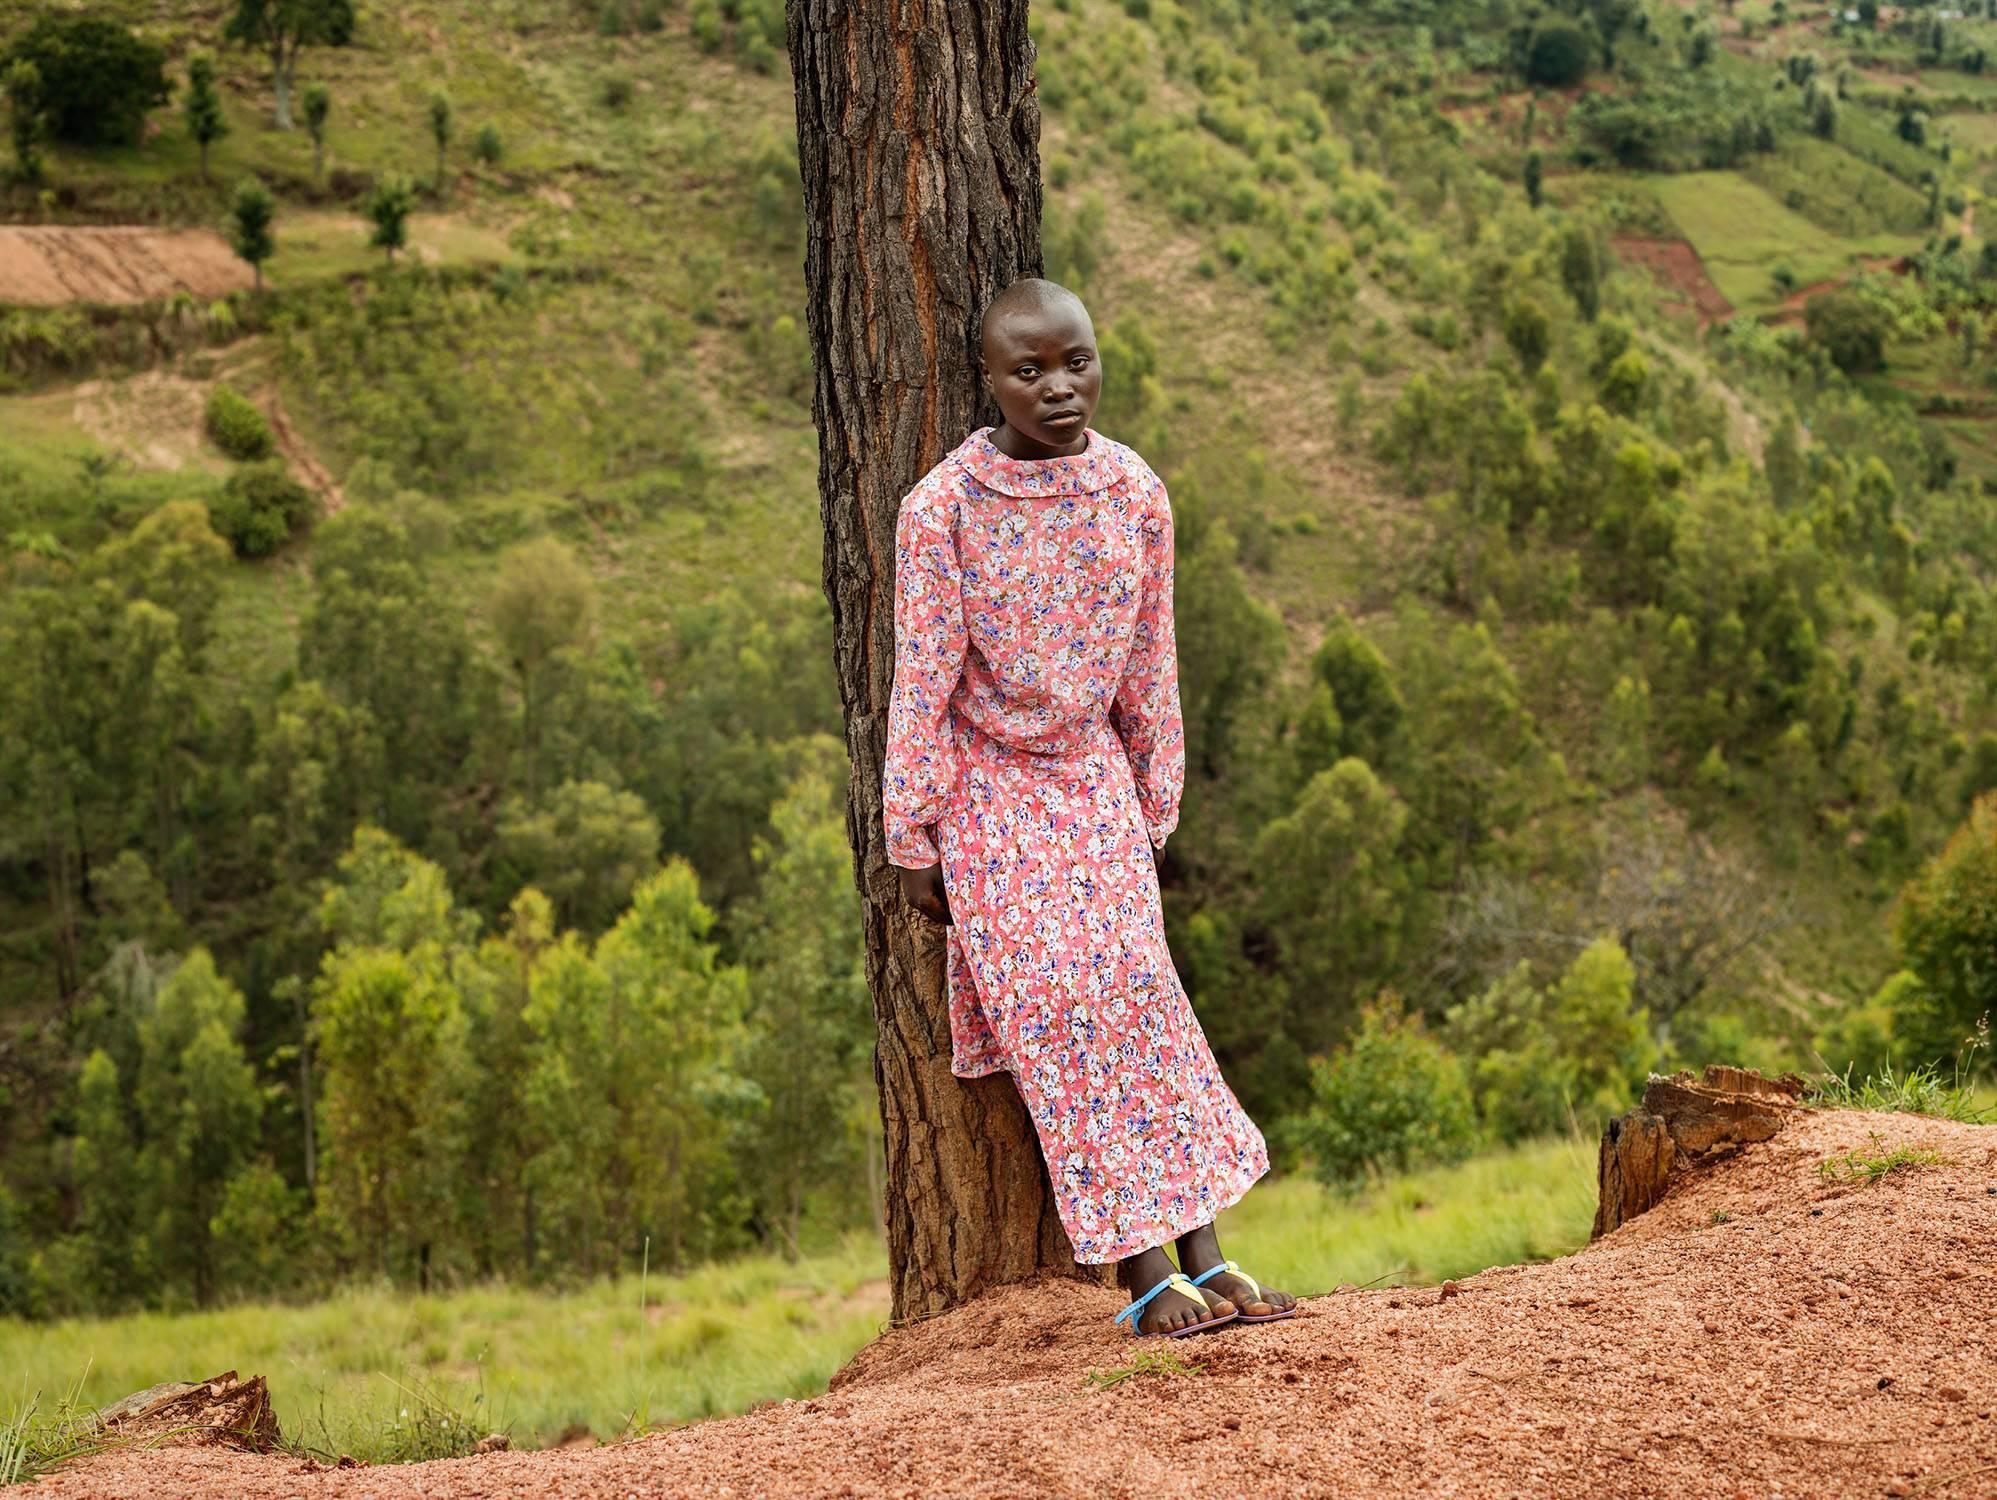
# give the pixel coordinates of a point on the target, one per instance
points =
(1041, 365)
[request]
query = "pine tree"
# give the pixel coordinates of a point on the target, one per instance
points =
(203, 107)
(250, 213)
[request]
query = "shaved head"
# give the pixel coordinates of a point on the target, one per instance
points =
(1039, 361)
(1028, 295)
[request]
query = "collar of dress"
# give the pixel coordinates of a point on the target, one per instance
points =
(1089, 472)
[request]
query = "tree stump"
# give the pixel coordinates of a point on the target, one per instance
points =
(1685, 1122)
(222, 1410)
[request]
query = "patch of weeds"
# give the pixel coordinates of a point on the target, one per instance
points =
(435, 1423)
(1922, 1090)
(1166, 1362)
(428, 1421)
(1876, 1163)
(1721, 1216)
(33, 1441)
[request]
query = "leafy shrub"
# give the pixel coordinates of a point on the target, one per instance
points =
(1850, 328)
(256, 1231)
(1558, 56)
(237, 427)
(1870, 1037)
(487, 147)
(1574, 1052)
(98, 79)
(1581, 269)
(1947, 934)
(705, 23)
(259, 508)
(1624, 386)
(1528, 331)
(1392, 1098)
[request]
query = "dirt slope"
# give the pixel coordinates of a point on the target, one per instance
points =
(1762, 1332)
(53, 266)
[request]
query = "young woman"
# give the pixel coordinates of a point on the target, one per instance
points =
(1035, 760)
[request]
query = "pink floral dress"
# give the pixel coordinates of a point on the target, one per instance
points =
(1035, 746)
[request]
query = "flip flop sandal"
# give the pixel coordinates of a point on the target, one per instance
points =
(1177, 1283)
(1230, 1268)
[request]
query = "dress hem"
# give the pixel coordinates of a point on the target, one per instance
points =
(1190, 1219)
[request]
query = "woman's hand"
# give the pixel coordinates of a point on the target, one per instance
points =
(923, 890)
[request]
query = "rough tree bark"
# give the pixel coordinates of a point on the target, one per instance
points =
(919, 146)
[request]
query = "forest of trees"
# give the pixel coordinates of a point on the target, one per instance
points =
(376, 902)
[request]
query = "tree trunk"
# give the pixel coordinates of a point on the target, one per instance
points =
(918, 143)
(1682, 1124)
(281, 84)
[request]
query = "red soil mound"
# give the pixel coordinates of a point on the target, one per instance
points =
(53, 266)
(1677, 265)
(1762, 1332)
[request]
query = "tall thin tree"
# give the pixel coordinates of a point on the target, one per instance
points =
(202, 105)
(318, 101)
(919, 146)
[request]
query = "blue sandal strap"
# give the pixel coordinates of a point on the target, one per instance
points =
(1136, 1309)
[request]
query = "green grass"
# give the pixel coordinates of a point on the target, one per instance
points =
(1870, 1165)
(1165, 1362)
(1742, 233)
(1836, 191)
(367, 1371)
(1527, 1203)
(385, 1376)
(313, 246)
(36, 1435)
(1975, 129)
(1923, 1090)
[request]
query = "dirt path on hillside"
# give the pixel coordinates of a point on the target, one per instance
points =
(51, 266)
(1763, 1332)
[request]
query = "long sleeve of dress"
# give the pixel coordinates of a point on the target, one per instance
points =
(1146, 708)
(930, 642)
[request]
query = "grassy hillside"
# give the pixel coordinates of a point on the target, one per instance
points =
(1517, 609)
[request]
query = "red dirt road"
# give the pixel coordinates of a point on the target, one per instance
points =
(53, 266)
(1762, 1332)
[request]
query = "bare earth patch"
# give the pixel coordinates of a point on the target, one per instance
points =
(1677, 267)
(1762, 1331)
(51, 266)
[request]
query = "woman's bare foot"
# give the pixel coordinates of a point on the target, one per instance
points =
(1171, 1311)
(1199, 1252)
